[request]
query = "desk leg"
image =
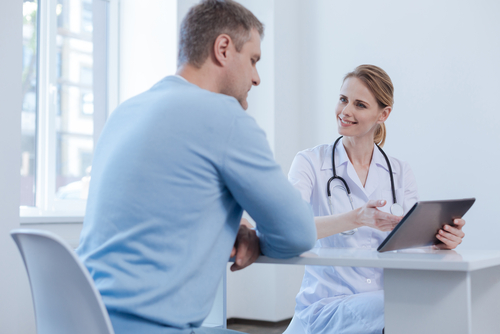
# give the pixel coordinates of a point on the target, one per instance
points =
(217, 316)
(486, 300)
(427, 301)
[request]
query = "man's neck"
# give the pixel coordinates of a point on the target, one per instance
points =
(204, 77)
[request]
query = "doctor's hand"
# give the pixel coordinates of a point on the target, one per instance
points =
(369, 215)
(246, 248)
(451, 236)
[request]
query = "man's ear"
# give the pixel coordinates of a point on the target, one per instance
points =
(385, 114)
(222, 49)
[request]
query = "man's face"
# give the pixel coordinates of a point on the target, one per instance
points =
(242, 71)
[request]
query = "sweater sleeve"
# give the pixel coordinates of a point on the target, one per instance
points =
(285, 223)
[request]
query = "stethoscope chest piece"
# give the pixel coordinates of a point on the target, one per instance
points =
(397, 210)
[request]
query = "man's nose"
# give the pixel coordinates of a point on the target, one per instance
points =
(256, 79)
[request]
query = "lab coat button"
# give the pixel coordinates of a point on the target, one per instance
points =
(368, 281)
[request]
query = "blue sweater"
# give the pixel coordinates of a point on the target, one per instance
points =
(172, 171)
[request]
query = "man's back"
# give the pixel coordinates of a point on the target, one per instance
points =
(172, 170)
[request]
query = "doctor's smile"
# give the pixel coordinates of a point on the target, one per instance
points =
(346, 123)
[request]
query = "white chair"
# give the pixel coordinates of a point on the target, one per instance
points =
(295, 327)
(64, 296)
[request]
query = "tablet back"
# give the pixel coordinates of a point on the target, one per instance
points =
(420, 225)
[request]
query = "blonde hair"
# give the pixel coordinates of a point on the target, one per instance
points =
(380, 84)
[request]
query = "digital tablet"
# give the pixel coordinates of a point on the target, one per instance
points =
(421, 224)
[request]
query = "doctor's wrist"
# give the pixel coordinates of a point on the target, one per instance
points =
(356, 218)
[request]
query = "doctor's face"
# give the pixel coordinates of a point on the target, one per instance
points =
(358, 112)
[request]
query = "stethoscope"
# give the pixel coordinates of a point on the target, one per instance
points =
(395, 209)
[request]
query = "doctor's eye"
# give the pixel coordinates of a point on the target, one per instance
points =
(343, 99)
(361, 105)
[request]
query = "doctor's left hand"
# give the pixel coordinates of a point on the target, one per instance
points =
(246, 248)
(451, 236)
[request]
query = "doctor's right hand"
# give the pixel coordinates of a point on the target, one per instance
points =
(369, 215)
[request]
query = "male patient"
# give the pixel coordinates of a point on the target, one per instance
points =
(173, 170)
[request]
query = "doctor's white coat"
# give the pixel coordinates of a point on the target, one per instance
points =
(344, 299)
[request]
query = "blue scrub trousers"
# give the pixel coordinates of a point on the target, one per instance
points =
(361, 313)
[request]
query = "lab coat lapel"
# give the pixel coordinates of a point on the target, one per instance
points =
(327, 158)
(349, 171)
(383, 169)
(346, 170)
(340, 158)
(351, 174)
(373, 179)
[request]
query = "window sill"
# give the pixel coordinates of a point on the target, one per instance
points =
(27, 220)
(32, 215)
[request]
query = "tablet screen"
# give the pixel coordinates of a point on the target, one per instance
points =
(420, 225)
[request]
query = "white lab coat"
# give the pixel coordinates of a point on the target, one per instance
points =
(344, 299)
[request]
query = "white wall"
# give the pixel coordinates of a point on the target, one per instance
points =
(288, 61)
(443, 59)
(261, 99)
(16, 314)
(147, 39)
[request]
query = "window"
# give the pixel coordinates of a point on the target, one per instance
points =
(29, 86)
(74, 130)
(58, 107)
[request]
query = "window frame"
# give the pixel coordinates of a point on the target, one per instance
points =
(49, 209)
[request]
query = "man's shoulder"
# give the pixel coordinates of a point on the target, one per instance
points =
(190, 96)
(177, 102)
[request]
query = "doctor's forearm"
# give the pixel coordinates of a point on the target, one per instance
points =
(330, 225)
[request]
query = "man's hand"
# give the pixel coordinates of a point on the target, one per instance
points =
(451, 236)
(246, 247)
(369, 215)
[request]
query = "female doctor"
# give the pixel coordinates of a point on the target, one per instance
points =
(343, 299)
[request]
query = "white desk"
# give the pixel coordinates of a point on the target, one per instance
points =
(426, 291)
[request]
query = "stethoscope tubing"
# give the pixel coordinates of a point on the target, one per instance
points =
(390, 174)
(348, 190)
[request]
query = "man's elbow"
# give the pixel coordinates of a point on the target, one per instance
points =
(303, 236)
(290, 244)
(305, 241)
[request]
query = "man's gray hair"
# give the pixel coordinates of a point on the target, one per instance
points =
(209, 19)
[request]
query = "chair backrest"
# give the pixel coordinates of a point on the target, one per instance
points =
(64, 296)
